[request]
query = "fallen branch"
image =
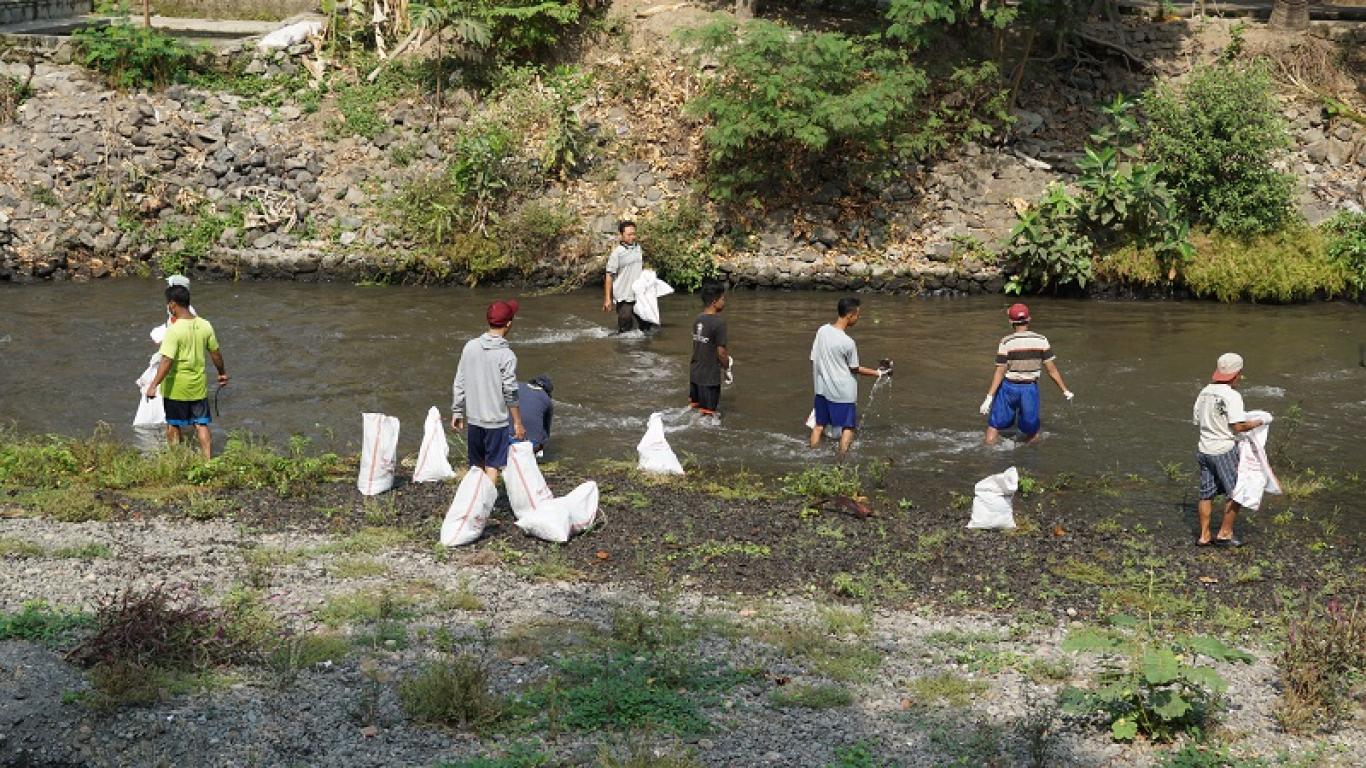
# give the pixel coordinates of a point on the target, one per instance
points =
(417, 34)
(1116, 47)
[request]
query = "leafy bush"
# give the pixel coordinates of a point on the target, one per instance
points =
(1216, 140)
(1047, 246)
(451, 692)
(784, 101)
(1346, 245)
(822, 482)
(1149, 688)
(1324, 655)
(147, 629)
(677, 245)
(529, 30)
(37, 622)
(133, 56)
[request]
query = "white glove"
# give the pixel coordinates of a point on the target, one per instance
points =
(1067, 393)
(986, 405)
(729, 376)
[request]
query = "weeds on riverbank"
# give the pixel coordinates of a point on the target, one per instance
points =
(1323, 659)
(39, 623)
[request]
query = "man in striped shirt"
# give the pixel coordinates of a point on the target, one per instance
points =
(1013, 397)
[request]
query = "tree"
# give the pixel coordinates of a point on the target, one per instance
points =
(1290, 14)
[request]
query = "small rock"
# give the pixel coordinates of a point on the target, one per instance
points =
(355, 196)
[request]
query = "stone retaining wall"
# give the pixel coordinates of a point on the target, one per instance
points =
(19, 11)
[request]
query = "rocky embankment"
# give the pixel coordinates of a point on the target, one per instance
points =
(95, 182)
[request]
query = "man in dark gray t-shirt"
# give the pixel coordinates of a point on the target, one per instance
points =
(710, 354)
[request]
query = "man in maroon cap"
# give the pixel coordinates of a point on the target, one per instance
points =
(1014, 392)
(485, 393)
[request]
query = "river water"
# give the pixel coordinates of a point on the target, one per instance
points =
(309, 359)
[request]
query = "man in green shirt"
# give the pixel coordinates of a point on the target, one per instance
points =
(180, 377)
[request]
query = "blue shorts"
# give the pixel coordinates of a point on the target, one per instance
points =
(487, 447)
(830, 414)
(1016, 402)
(186, 413)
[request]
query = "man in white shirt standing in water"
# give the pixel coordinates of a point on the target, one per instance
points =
(1219, 414)
(624, 266)
(834, 364)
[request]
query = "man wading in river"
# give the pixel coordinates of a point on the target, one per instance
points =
(180, 376)
(710, 357)
(624, 266)
(1220, 416)
(834, 364)
(485, 393)
(1013, 396)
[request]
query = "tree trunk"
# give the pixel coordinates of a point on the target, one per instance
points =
(1290, 14)
(147, 14)
(744, 9)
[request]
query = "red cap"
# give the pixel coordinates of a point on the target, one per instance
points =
(501, 313)
(1018, 313)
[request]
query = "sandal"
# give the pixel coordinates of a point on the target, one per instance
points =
(1200, 543)
(1229, 542)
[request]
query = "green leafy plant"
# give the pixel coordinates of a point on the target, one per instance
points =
(453, 692)
(916, 22)
(1147, 687)
(1216, 140)
(1047, 246)
(133, 56)
(1323, 657)
(821, 482)
(38, 622)
(1346, 245)
(677, 245)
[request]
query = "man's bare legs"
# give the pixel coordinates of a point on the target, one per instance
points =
(816, 433)
(846, 440)
(492, 474)
(993, 436)
(201, 431)
(1205, 510)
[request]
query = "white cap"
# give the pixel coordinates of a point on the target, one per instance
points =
(179, 280)
(1229, 365)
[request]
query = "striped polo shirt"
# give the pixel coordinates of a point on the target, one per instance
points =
(1023, 353)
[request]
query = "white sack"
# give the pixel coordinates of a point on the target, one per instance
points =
(557, 519)
(377, 453)
(811, 420)
(648, 289)
(1255, 476)
(151, 410)
(991, 505)
(655, 453)
(470, 509)
(523, 480)
(289, 35)
(433, 458)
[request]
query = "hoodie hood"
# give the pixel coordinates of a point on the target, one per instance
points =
(489, 341)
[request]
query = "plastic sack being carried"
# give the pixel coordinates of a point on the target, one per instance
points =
(1255, 477)
(655, 454)
(377, 451)
(648, 289)
(557, 519)
(433, 458)
(523, 480)
(151, 410)
(991, 505)
(469, 511)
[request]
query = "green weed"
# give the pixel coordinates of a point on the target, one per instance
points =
(946, 688)
(811, 696)
(37, 622)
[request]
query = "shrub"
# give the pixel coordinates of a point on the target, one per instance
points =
(146, 629)
(1216, 139)
(36, 622)
(451, 692)
(133, 56)
(1324, 654)
(783, 102)
(1150, 688)
(1047, 246)
(1290, 265)
(822, 482)
(677, 244)
(811, 696)
(529, 29)
(1346, 245)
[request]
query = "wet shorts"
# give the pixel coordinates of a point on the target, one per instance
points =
(183, 413)
(703, 397)
(1218, 473)
(844, 415)
(1016, 402)
(487, 447)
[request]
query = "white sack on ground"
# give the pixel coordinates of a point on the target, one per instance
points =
(655, 453)
(991, 505)
(289, 35)
(523, 480)
(556, 520)
(433, 458)
(469, 511)
(648, 289)
(377, 452)
(151, 410)
(1255, 476)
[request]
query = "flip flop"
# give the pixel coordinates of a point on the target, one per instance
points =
(1200, 543)
(1228, 543)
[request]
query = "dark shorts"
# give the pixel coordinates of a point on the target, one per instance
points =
(184, 413)
(1218, 473)
(1016, 404)
(487, 447)
(627, 320)
(704, 397)
(843, 415)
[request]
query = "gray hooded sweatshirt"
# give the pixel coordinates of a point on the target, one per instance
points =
(485, 382)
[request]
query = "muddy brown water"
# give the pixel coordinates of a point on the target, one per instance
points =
(308, 359)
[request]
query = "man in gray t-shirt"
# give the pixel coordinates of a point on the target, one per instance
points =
(834, 364)
(624, 266)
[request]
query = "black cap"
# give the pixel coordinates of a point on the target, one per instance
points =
(543, 381)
